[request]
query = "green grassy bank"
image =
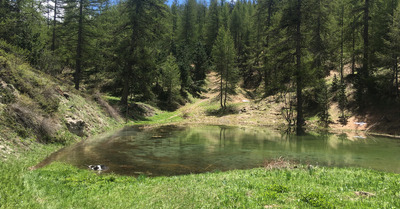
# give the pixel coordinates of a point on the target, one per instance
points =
(64, 186)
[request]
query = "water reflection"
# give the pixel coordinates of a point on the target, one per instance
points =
(175, 150)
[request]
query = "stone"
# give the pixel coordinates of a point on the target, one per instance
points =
(76, 126)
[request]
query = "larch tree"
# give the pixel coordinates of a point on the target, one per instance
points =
(187, 42)
(212, 25)
(224, 55)
(170, 78)
(292, 46)
(143, 19)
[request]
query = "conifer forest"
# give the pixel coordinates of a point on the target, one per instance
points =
(160, 52)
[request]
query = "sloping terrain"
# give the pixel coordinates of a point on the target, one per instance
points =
(37, 107)
(243, 110)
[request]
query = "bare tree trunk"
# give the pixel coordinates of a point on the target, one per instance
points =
(125, 89)
(341, 43)
(266, 67)
(396, 70)
(365, 69)
(342, 87)
(48, 13)
(226, 86)
(78, 66)
(53, 41)
(299, 82)
(221, 88)
(353, 48)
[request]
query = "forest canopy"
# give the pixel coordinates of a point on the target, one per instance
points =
(146, 50)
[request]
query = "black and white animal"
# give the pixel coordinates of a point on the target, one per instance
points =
(98, 167)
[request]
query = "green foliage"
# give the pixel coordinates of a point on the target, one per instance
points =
(335, 84)
(212, 26)
(323, 97)
(317, 200)
(121, 47)
(6, 94)
(342, 101)
(224, 55)
(161, 118)
(170, 81)
(278, 188)
(26, 82)
(215, 110)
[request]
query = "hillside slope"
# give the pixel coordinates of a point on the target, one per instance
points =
(35, 107)
(243, 110)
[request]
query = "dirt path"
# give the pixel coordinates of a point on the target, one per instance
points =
(246, 112)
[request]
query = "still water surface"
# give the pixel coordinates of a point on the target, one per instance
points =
(173, 150)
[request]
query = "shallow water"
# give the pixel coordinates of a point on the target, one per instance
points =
(176, 150)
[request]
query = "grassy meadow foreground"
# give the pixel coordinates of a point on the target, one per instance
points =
(278, 185)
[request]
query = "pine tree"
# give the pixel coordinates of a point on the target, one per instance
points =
(318, 25)
(224, 62)
(143, 21)
(212, 25)
(187, 45)
(390, 55)
(263, 47)
(170, 78)
(364, 73)
(58, 4)
(292, 24)
(323, 102)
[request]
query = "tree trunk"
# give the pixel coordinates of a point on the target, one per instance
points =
(266, 67)
(396, 69)
(78, 66)
(299, 82)
(353, 47)
(127, 77)
(341, 43)
(221, 88)
(125, 92)
(48, 13)
(365, 71)
(226, 85)
(53, 41)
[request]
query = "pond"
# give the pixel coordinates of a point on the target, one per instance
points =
(177, 150)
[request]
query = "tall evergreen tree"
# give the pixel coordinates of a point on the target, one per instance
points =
(143, 19)
(212, 25)
(224, 62)
(187, 42)
(170, 78)
(390, 54)
(292, 24)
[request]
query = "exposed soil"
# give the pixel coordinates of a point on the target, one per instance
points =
(246, 111)
(243, 111)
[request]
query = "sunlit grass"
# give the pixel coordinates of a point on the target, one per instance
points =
(63, 186)
(161, 118)
(60, 186)
(14, 192)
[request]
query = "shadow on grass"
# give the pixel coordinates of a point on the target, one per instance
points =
(137, 111)
(229, 110)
